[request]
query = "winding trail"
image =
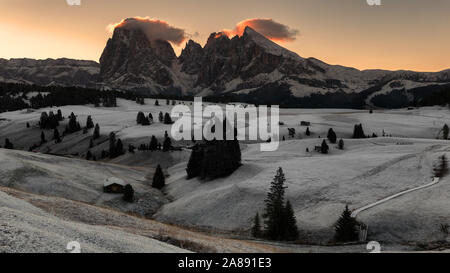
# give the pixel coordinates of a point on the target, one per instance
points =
(358, 211)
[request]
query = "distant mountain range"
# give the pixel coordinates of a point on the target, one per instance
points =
(248, 68)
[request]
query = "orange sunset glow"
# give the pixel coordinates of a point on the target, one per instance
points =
(410, 35)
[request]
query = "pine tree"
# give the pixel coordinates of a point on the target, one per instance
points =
(167, 119)
(290, 223)
(150, 117)
(274, 210)
(445, 131)
(59, 115)
(167, 145)
(8, 144)
(324, 147)
(73, 125)
(346, 227)
(140, 118)
(194, 166)
(96, 131)
(43, 140)
(358, 131)
(28, 125)
(161, 117)
(308, 132)
(112, 145)
(153, 144)
(89, 123)
(159, 181)
(341, 144)
(441, 169)
(156, 103)
(128, 194)
(119, 148)
(256, 229)
(91, 143)
(145, 121)
(332, 136)
(56, 136)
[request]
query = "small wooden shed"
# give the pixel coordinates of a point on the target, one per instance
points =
(113, 185)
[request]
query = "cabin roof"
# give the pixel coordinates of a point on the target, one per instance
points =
(113, 180)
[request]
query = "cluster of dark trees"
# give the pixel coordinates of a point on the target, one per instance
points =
(165, 118)
(115, 146)
(13, 96)
(332, 136)
(73, 125)
(358, 131)
(140, 100)
(214, 159)
(50, 120)
(280, 223)
(154, 145)
(144, 120)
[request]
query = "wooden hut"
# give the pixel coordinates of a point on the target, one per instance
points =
(113, 185)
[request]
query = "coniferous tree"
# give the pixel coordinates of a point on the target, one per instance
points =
(88, 155)
(153, 144)
(256, 229)
(91, 143)
(346, 227)
(167, 144)
(332, 136)
(161, 117)
(167, 119)
(140, 118)
(145, 121)
(28, 125)
(73, 125)
(341, 144)
(274, 210)
(128, 193)
(194, 166)
(119, 148)
(43, 140)
(156, 103)
(290, 223)
(150, 117)
(8, 144)
(308, 132)
(59, 115)
(89, 123)
(358, 131)
(445, 131)
(96, 131)
(441, 168)
(56, 136)
(159, 181)
(324, 147)
(112, 145)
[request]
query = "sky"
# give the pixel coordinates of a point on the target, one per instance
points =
(399, 34)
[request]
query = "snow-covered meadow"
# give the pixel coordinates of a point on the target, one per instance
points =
(319, 186)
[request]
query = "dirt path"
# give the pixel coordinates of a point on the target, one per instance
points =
(382, 201)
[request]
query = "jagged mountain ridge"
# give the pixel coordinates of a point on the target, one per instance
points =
(243, 66)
